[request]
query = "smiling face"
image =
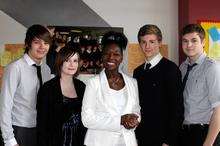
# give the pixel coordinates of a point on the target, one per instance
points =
(150, 45)
(70, 66)
(192, 45)
(38, 49)
(112, 57)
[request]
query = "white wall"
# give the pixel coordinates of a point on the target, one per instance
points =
(10, 31)
(131, 15)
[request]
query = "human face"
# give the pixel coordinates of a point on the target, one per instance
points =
(150, 45)
(112, 57)
(38, 50)
(192, 45)
(70, 66)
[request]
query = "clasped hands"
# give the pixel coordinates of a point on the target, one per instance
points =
(129, 121)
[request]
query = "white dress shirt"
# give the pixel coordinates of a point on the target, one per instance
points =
(202, 91)
(18, 96)
(154, 61)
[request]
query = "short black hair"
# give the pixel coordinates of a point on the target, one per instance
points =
(149, 29)
(36, 31)
(190, 28)
(113, 37)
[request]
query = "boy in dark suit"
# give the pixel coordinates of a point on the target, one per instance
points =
(160, 92)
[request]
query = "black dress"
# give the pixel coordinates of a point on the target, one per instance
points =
(73, 129)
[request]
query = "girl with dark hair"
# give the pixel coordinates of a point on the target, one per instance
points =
(59, 103)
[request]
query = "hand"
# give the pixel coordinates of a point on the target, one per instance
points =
(16, 145)
(129, 121)
(165, 144)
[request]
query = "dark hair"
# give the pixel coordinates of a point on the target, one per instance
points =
(113, 37)
(64, 54)
(36, 31)
(190, 28)
(149, 29)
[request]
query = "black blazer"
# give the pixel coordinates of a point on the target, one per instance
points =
(50, 111)
(161, 101)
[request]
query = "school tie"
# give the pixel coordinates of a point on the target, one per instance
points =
(147, 66)
(189, 68)
(38, 67)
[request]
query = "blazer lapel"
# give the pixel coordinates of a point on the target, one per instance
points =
(57, 88)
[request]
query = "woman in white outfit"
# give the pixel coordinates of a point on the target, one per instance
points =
(110, 107)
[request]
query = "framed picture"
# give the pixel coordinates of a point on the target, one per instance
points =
(89, 40)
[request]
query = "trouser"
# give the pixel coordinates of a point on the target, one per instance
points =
(25, 136)
(193, 134)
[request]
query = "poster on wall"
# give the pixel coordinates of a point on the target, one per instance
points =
(212, 44)
(10, 53)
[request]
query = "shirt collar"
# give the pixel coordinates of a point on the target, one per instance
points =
(28, 59)
(198, 61)
(154, 61)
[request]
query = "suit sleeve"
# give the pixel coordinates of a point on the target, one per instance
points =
(135, 73)
(175, 105)
(93, 118)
